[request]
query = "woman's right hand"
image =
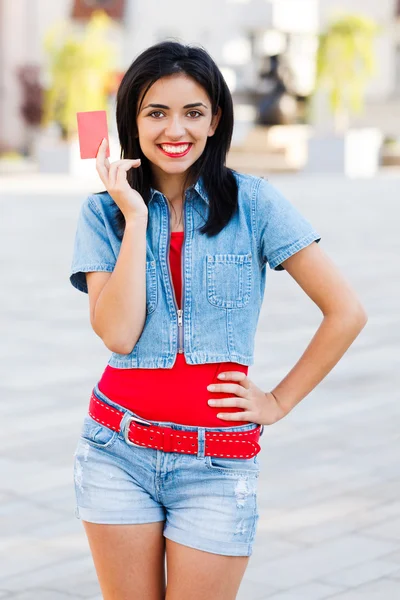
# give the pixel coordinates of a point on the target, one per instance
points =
(114, 178)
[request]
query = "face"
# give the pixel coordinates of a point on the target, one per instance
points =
(173, 136)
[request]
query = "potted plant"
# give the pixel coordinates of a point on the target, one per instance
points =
(345, 62)
(81, 70)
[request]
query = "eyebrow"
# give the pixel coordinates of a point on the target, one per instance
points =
(193, 105)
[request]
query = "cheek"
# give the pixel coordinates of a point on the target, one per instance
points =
(201, 131)
(148, 132)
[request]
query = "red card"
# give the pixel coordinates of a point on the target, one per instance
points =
(92, 128)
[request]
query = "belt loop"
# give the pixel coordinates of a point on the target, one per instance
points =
(123, 422)
(201, 435)
(166, 439)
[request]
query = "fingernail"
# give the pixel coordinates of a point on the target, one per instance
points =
(221, 376)
(211, 402)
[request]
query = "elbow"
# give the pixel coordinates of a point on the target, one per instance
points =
(363, 318)
(359, 316)
(119, 348)
(354, 317)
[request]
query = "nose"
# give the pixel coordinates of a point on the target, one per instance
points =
(175, 129)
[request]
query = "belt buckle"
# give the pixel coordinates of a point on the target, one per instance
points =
(126, 431)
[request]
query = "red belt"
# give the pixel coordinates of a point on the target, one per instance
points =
(229, 444)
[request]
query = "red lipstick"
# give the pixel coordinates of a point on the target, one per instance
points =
(175, 155)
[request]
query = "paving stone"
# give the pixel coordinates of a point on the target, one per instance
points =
(310, 591)
(41, 576)
(390, 529)
(82, 585)
(362, 573)
(43, 594)
(256, 591)
(395, 575)
(314, 563)
(268, 547)
(384, 589)
(20, 516)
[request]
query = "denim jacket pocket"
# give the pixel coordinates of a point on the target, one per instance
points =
(229, 279)
(151, 286)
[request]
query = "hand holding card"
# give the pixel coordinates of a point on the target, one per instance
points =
(92, 128)
(114, 177)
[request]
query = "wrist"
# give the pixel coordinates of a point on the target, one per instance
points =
(285, 409)
(135, 218)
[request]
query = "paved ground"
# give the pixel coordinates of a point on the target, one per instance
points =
(329, 485)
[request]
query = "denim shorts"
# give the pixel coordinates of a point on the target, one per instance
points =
(207, 503)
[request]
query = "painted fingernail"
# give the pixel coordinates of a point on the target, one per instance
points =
(210, 387)
(221, 376)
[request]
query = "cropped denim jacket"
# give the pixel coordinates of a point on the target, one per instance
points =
(223, 277)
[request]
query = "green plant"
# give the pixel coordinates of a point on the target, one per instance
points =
(80, 70)
(345, 63)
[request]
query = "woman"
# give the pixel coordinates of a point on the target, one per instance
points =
(173, 255)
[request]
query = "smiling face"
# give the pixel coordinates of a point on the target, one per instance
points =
(174, 123)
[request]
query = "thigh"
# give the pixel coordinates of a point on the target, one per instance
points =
(129, 560)
(211, 504)
(197, 575)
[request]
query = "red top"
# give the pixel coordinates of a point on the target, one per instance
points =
(178, 394)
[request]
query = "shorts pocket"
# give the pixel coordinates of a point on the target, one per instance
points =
(96, 434)
(233, 466)
(229, 279)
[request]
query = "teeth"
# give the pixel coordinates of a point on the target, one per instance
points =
(175, 149)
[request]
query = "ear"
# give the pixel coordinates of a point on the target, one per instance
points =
(214, 122)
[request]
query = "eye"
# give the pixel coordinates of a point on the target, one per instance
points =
(196, 111)
(155, 112)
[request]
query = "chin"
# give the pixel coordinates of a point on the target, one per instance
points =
(174, 169)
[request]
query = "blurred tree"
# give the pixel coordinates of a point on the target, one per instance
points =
(80, 71)
(345, 63)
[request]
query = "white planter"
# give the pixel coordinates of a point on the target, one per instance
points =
(54, 155)
(355, 153)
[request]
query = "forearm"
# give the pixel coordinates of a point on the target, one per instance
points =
(120, 311)
(331, 340)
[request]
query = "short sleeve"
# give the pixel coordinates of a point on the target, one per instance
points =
(281, 229)
(92, 249)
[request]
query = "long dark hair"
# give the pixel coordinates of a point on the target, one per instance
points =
(160, 60)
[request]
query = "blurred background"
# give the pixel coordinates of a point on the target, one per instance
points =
(305, 75)
(316, 90)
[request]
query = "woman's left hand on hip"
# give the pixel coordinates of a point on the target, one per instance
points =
(258, 406)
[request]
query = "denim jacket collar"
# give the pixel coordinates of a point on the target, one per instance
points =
(198, 186)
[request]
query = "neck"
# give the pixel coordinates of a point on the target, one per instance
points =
(172, 186)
